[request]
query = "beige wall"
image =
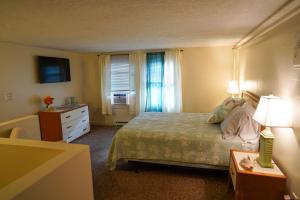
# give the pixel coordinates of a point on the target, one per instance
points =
(266, 67)
(18, 74)
(206, 72)
(91, 91)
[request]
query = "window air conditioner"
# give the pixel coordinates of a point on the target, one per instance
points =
(120, 98)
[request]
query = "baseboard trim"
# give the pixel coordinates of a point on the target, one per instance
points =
(101, 123)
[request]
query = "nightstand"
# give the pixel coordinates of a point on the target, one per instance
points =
(259, 183)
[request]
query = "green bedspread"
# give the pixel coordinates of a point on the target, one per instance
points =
(175, 137)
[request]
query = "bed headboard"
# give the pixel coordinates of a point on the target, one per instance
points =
(251, 97)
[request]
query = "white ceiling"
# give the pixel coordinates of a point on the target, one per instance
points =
(116, 25)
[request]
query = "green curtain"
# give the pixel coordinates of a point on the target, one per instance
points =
(154, 85)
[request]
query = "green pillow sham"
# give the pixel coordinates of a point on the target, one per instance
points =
(223, 110)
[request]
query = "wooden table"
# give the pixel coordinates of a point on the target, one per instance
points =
(259, 183)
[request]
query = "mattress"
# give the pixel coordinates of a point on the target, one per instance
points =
(172, 137)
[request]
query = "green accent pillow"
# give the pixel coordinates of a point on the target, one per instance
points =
(222, 111)
(218, 115)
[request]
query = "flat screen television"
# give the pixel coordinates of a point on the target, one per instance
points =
(53, 70)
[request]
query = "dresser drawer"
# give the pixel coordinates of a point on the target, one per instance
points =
(80, 112)
(67, 116)
(232, 173)
(74, 124)
(74, 114)
(77, 132)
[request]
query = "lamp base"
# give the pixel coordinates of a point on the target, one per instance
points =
(264, 164)
(265, 148)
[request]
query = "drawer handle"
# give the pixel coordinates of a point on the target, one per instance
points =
(83, 111)
(68, 116)
(69, 137)
(84, 129)
(83, 120)
(69, 127)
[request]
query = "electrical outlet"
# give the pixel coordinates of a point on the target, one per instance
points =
(8, 96)
(294, 196)
(1, 96)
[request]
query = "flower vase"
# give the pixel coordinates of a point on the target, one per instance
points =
(48, 108)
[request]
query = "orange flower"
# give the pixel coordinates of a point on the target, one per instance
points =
(48, 100)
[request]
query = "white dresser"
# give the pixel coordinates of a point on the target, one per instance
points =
(67, 123)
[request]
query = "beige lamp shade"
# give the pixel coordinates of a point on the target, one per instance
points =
(233, 87)
(272, 112)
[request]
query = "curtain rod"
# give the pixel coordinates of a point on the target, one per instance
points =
(127, 52)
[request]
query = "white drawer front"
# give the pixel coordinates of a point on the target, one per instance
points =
(81, 111)
(79, 131)
(232, 173)
(74, 124)
(74, 114)
(66, 117)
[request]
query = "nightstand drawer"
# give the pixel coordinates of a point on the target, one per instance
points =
(232, 172)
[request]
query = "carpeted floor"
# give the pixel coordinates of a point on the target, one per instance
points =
(157, 182)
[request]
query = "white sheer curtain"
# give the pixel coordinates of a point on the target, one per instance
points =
(105, 76)
(172, 95)
(132, 83)
(137, 96)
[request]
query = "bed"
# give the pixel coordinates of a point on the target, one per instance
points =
(184, 139)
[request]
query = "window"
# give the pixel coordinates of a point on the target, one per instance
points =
(155, 79)
(119, 73)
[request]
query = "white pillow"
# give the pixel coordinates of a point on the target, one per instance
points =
(249, 130)
(17, 132)
(230, 126)
(233, 102)
(240, 122)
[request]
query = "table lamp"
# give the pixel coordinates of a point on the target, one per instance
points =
(271, 112)
(233, 88)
